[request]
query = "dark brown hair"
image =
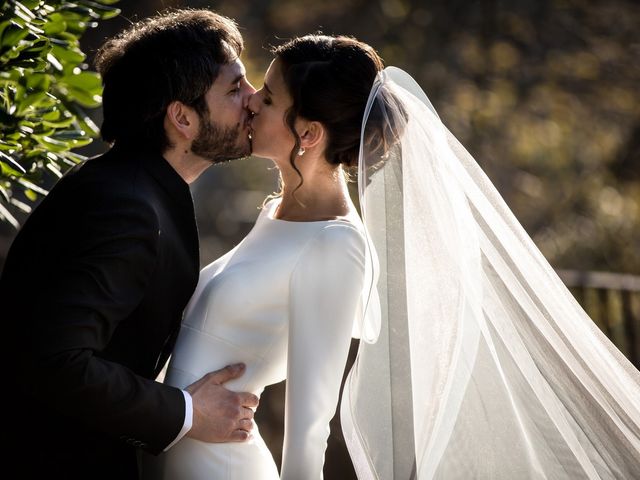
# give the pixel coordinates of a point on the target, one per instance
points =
(174, 56)
(329, 79)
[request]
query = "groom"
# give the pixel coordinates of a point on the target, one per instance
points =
(95, 283)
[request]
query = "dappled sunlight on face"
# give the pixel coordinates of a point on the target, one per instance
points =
(271, 136)
(224, 133)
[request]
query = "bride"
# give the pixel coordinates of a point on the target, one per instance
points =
(474, 359)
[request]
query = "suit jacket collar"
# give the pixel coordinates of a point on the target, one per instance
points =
(168, 178)
(161, 170)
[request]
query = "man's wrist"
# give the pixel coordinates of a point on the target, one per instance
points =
(188, 419)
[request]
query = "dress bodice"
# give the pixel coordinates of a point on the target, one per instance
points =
(283, 302)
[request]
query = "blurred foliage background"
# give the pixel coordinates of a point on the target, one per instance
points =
(45, 85)
(544, 93)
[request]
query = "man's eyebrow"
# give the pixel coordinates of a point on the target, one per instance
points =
(266, 87)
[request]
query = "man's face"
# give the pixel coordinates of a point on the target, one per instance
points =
(224, 129)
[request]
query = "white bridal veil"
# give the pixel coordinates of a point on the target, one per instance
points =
(475, 361)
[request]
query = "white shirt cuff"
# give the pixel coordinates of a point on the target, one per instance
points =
(188, 419)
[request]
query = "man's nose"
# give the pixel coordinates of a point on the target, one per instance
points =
(251, 89)
(249, 92)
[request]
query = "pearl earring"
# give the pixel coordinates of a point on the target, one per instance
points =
(301, 152)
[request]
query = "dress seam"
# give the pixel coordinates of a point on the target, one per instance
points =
(222, 339)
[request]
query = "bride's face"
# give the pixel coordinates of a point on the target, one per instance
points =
(271, 136)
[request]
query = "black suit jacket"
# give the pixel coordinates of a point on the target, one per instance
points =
(92, 295)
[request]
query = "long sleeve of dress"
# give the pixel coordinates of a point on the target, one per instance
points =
(325, 289)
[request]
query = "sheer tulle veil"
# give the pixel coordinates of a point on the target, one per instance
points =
(475, 361)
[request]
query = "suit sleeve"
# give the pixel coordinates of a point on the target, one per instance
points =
(99, 284)
(325, 289)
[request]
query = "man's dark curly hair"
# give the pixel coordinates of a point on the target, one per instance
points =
(174, 56)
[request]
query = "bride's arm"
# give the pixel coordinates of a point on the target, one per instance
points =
(324, 293)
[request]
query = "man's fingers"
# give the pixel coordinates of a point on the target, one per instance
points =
(248, 400)
(227, 373)
(239, 436)
(248, 413)
(245, 424)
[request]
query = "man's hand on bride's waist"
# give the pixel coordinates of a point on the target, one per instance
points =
(221, 415)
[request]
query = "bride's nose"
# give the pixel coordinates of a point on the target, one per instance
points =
(253, 104)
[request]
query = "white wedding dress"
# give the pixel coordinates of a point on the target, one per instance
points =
(283, 302)
(475, 361)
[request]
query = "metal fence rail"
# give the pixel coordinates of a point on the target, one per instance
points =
(612, 300)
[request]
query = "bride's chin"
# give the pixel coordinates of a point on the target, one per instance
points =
(261, 152)
(255, 149)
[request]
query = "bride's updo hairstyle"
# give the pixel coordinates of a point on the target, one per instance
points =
(329, 79)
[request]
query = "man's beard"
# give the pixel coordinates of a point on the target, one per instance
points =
(219, 144)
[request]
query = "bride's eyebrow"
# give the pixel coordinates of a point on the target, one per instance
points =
(266, 87)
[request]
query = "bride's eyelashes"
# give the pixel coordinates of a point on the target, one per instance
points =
(265, 92)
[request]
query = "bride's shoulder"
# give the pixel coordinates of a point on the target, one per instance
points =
(336, 248)
(339, 235)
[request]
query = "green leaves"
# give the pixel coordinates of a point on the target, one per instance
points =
(44, 89)
(84, 88)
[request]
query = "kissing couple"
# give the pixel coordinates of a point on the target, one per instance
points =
(474, 360)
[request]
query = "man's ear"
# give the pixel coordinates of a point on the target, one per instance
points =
(311, 134)
(183, 119)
